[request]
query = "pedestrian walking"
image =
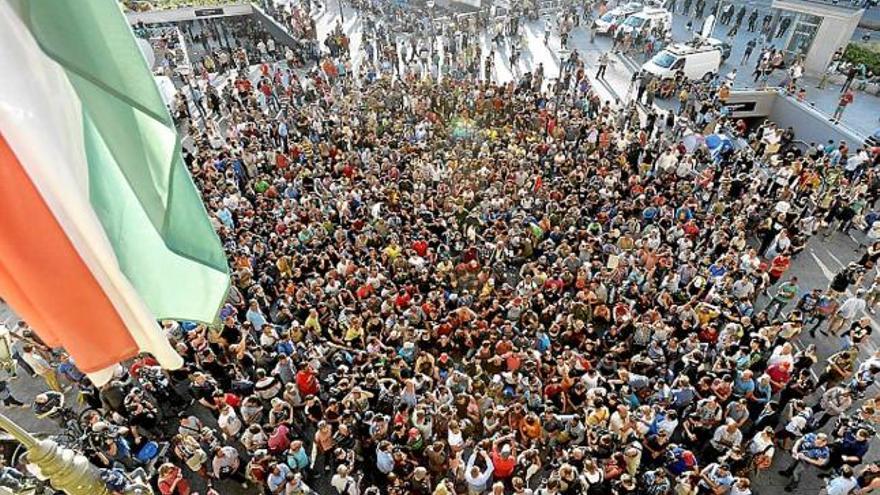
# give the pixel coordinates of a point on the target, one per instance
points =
(811, 450)
(844, 101)
(851, 74)
(785, 294)
(848, 311)
(604, 60)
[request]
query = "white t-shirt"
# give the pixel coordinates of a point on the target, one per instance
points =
(229, 422)
(841, 485)
(852, 307)
(345, 485)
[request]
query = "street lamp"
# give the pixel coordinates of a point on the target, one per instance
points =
(66, 470)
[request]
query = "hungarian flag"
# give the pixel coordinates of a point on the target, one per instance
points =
(102, 231)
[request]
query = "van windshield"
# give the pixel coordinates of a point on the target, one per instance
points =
(635, 22)
(609, 17)
(664, 59)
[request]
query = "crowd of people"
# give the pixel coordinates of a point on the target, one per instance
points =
(463, 287)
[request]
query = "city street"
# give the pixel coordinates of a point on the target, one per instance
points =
(860, 117)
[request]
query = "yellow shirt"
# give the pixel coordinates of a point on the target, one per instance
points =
(393, 251)
(312, 323)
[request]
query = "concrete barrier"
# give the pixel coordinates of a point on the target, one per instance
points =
(189, 13)
(809, 123)
(872, 24)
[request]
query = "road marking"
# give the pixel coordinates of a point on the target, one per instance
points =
(835, 258)
(870, 345)
(825, 270)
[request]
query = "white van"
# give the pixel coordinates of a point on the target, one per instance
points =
(608, 22)
(722, 45)
(697, 62)
(648, 19)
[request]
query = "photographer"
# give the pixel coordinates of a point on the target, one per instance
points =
(850, 447)
(478, 479)
(840, 367)
(810, 449)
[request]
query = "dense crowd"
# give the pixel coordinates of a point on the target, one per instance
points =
(463, 287)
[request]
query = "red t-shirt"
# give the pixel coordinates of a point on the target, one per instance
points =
(181, 488)
(420, 247)
(779, 266)
(503, 467)
(779, 375)
(402, 300)
(279, 440)
(140, 363)
(306, 382)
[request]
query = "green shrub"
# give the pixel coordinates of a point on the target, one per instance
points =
(862, 53)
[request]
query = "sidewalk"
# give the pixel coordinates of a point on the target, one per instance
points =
(861, 116)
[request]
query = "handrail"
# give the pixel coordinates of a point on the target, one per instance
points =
(844, 5)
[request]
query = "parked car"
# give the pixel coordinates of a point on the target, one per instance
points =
(649, 18)
(608, 23)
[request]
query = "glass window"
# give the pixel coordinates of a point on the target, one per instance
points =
(803, 33)
(664, 59)
(635, 22)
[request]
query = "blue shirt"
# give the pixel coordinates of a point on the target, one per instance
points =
(683, 396)
(813, 451)
(225, 216)
(850, 446)
(298, 459)
(257, 319)
(384, 461)
(726, 480)
(275, 481)
(70, 372)
(763, 393)
(284, 347)
(741, 387)
(543, 343)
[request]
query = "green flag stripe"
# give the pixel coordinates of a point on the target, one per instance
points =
(93, 42)
(171, 285)
(138, 184)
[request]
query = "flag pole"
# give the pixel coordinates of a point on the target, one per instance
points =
(66, 470)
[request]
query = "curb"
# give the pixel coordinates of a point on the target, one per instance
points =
(872, 24)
